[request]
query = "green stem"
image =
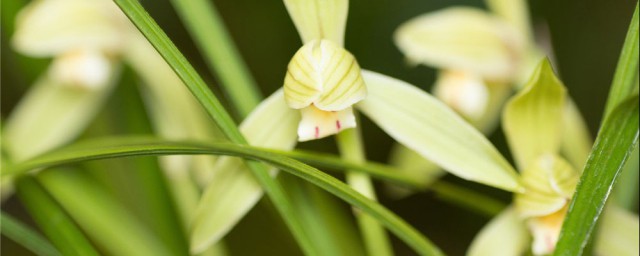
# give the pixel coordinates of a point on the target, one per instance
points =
(206, 27)
(626, 75)
(375, 237)
(52, 219)
(214, 108)
(23, 235)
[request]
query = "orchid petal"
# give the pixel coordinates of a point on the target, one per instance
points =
(505, 235)
(532, 119)
(232, 190)
(550, 182)
(619, 233)
(324, 74)
(81, 68)
(546, 231)
(51, 27)
(316, 124)
(50, 115)
(461, 38)
(426, 125)
(464, 92)
(319, 19)
(576, 139)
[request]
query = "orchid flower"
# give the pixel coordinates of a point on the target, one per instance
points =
(532, 122)
(88, 40)
(481, 57)
(323, 86)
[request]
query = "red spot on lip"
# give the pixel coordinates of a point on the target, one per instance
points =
(338, 124)
(317, 132)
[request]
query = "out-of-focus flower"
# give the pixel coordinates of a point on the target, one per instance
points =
(323, 86)
(532, 122)
(476, 52)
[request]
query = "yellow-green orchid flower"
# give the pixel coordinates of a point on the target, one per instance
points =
(87, 41)
(532, 122)
(323, 85)
(481, 56)
(477, 53)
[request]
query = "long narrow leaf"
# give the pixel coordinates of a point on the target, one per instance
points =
(626, 75)
(113, 148)
(128, 146)
(617, 138)
(206, 27)
(63, 232)
(25, 236)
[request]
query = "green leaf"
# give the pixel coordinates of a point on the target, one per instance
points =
(532, 119)
(615, 142)
(625, 79)
(62, 232)
(100, 215)
(505, 235)
(23, 235)
(126, 146)
(426, 125)
(618, 234)
(207, 28)
(216, 111)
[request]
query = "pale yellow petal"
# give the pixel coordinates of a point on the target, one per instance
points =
(51, 27)
(465, 92)
(426, 125)
(461, 38)
(546, 231)
(323, 74)
(550, 183)
(319, 19)
(532, 119)
(618, 234)
(82, 68)
(505, 235)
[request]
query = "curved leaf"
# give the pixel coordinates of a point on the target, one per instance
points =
(230, 189)
(112, 147)
(426, 125)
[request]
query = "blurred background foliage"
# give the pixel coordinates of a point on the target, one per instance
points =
(583, 37)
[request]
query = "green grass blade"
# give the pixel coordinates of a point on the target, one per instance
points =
(113, 147)
(207, 28)
(196, 85)
(626, 75)
(62, 232)
(613, 146)
(99, 215)
(23, 235)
